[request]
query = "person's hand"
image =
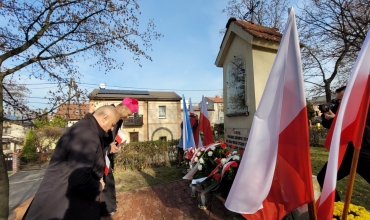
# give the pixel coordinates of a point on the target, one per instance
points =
(114, 148)
(329, 115)
(102, 183)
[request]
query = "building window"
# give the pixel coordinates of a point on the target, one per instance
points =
(7, 130)
(134, 136)
(6, 146)
(236, 89)
(162, 111)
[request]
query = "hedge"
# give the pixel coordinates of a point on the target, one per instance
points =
(140, 155)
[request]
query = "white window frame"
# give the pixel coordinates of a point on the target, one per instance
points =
(162, 114)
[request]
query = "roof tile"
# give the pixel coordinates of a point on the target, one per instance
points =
(258, 31)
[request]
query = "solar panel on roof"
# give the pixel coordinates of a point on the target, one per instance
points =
(123, 92)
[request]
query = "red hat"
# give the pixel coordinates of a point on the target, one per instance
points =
(131, 104)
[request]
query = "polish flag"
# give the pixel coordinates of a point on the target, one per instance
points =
(348, 126)
(205, 125)
(187, 133)
(274, 176)
(107, 164)
(120, 137)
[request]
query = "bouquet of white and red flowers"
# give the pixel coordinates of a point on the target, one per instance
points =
(213, 167)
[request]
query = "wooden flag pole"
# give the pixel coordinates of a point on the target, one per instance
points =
(350, 184)
(312, 210)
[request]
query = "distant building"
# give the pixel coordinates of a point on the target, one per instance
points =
(158, 118)
(72, 113)
(14, 133)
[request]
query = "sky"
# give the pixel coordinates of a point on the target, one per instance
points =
(183, 59)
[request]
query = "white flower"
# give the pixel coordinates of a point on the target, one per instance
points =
(198, 154)
(213, 148)
(200, 167)
(229, 155)
(196, 159)
(210, 153)
(201, 160)
(236, 157)
(235, 152)
(223, 160)
(202, 149)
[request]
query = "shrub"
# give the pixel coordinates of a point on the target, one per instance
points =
(29, 153)
(140, 155)
(317, 136)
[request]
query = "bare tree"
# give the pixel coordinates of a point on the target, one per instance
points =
(271, 13)
(47, 136)
(15, 96)
(333, 32)
(47, 38)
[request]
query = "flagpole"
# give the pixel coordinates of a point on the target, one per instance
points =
(350, 184)
(312, 210)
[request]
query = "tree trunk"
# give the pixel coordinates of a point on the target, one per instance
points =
(4, 180)
(4, 188)
(327, 91)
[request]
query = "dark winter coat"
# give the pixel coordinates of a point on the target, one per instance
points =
(108, 140)
(71, 188)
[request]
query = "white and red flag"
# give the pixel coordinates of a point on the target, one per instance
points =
(205, 124)
(107, 164)
(348, 126)
(274, 176)
(120, 137)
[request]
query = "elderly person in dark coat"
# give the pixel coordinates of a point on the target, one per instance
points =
(108, 204)
(73, 182)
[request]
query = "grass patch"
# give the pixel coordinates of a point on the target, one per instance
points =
(361, 189)
(127, 180)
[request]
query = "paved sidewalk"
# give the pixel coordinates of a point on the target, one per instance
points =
(22, 186)
(167, 201)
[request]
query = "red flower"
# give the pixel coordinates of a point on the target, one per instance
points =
(217, 160)
(223, 145)
(235, 164)
(241, 151)
(217, 176)
(189, 156)
(227, 153)
(232, 146)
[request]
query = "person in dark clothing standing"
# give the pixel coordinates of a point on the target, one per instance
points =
(108, 205)
(345, 166)
(72, 184)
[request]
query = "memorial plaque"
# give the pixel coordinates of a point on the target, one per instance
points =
(236, 136)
